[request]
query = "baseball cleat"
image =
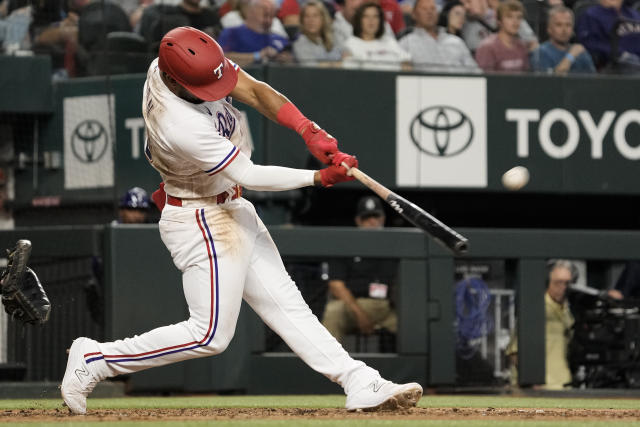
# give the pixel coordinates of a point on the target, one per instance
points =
(78, 380)
(382, 395)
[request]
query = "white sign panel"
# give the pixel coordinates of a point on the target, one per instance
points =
(88, 141)
(441, 136)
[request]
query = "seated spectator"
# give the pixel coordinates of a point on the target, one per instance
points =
(431, 47)
(253, 42)
(557, 55)
(54, 32)
(235, 18)
(481, 22)
(525, 32)
(452, 18)
(15, 19)
(610, 31)
(315, 43)
(505, 51)
(361, 288)
(367, 48)
(343, 22)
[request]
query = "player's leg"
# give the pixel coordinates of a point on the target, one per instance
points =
(213, 273)
(274, 296)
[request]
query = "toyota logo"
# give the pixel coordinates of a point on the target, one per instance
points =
(441, 131)
(89, 141)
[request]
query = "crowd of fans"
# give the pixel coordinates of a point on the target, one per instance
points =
(464, 36)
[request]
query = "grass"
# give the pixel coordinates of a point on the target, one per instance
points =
(327, 401)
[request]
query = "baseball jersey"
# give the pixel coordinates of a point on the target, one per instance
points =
(190, 144)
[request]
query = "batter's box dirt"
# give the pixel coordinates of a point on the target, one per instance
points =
(62, 414)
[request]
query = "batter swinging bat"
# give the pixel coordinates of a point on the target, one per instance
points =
(414, 214)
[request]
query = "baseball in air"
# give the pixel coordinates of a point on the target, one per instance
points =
(515, 178)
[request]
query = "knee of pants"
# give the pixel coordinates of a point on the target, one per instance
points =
(218, 344)
(211, 339)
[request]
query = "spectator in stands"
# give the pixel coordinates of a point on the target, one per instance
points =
(55, 33)
(343, 22)
(557, 55)
(452, 18)
(610, 31)
(253, 42)
(361, 288)
(15, 19)
(235, 17)
(505, 51)
(481, 22)
(432, 47)
(559, 321)
(134, 206)
(367, 47)
(315, 43)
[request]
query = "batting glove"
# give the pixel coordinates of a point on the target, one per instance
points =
(319, 143)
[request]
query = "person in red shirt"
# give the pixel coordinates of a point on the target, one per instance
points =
(505, 51)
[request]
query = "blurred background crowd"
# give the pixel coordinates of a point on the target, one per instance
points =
(467, 36)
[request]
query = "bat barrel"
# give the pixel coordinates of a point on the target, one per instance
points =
(461, 246)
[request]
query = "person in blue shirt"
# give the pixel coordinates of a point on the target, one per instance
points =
(253, 42)
(610, 31)
(558, 55)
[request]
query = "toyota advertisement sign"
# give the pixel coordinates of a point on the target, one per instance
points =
(441, 137)
(574, 135)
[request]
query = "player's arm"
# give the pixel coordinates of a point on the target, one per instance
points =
(339, 290)
(277, 178)
(274, 105)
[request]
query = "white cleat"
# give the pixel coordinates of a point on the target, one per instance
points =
(78, 380)
(382, 395)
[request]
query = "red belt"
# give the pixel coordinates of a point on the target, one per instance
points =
(219, 198)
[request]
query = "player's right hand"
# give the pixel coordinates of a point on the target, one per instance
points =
(319, 143)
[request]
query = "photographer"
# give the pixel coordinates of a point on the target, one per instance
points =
(558, 326)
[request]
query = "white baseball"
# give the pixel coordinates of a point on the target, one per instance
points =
(515, 178)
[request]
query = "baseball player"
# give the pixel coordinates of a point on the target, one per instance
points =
(198, 142)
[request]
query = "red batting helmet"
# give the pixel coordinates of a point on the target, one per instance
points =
(197, 62)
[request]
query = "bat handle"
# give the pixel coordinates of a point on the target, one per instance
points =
(346, 166)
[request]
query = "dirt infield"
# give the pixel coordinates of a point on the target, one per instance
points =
(554, 414)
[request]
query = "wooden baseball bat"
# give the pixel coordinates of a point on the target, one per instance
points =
(414, 214)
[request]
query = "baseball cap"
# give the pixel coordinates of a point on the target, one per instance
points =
(369, 206)
(135, 198)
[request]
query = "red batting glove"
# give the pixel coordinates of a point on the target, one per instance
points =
(336, 172)
(339, 158)
(159, 197)
(319, 143)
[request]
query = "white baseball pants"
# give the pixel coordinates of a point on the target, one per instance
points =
(226, 254)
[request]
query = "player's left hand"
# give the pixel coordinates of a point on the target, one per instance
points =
(319, 143)
(339, 158)
(336, 172)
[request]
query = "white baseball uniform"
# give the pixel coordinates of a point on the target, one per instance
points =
(224, 250)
